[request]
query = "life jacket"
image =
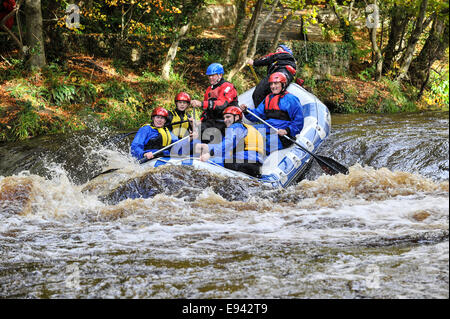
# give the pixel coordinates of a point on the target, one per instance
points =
(272, 108)
(164, 138)
(254, 140)
(180, 129)
(223, 92)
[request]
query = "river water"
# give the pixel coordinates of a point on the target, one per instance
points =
(379, 232)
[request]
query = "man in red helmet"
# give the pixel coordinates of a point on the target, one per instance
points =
(6, 6)
(217, 98)
(179, 121)
(282, 60)
(154, 136)
(282, 110)
(242, 148)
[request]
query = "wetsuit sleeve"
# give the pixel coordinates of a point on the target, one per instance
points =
(265, 60)
(295, 111)
(142, 137)
(233, 135)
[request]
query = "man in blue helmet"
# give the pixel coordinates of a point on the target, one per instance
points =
(282, 61)
(218, 96)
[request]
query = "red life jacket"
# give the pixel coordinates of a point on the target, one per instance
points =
(217, 98)
(272, 108)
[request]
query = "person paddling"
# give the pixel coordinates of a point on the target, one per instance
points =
(154, 136)
(282, 110)
(242, 148)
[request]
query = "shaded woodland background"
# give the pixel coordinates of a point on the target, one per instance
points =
(122, 58)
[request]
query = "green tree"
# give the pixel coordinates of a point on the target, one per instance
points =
(242, 52)
(181, 24)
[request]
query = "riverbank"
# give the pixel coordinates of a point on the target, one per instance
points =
(69, 95)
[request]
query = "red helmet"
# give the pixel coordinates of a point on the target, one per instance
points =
(233, 110)
(278, 77)
(161, 112)
(183, 96)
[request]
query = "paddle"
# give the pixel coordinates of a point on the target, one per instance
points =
(329, 165)
(254, 73)
(145, 159)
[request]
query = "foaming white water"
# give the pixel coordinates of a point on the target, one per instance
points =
(55, 198)
(165, 219)
(307, 244)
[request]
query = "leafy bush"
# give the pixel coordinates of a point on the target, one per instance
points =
(119, 91)
(439, 89)
(26, 123)
(125, 115)
(367, 74)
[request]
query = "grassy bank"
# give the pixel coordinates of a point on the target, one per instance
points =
(68, 95)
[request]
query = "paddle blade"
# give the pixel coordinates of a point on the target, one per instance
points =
(116, 138)
(330, 166)
(105, 172)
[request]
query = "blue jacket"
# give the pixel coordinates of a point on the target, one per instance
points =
(288, 103)
(233, 136)
(147, 133)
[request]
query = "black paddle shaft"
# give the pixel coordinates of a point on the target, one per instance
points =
(329, 165)
(121, 136)
(145, 159)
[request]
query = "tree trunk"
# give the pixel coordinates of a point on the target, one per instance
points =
(398, 22)
(232, 45)
(35, 39)
(182, 25)
(349, 18)
(413, 39)
(433, 49)
(259, 27)
(171, 54)
(377, 52)
(243, 49)
(277, 36)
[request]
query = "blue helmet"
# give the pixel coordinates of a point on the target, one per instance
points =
(215, 68)
(285, 48)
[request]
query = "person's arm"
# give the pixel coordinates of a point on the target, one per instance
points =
(227, 95)
(233, 135)
(265, 60)
(142, 137)
(259, 111)
(295, 111)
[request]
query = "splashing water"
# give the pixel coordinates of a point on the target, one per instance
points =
(176, 232)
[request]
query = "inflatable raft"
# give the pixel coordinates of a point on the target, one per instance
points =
(282, 167)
